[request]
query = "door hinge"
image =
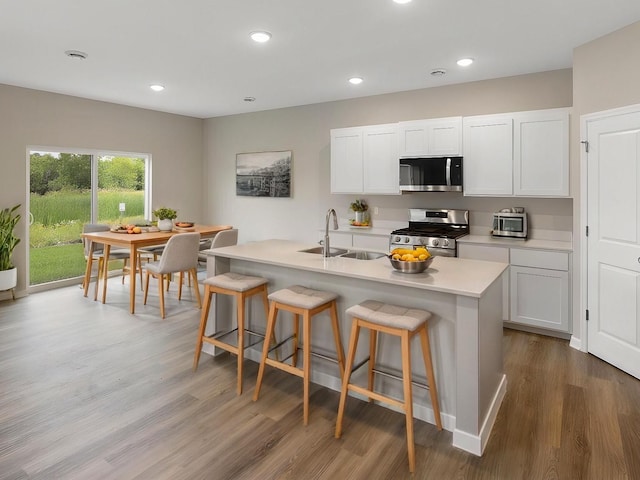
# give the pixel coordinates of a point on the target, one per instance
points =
(586, 145)
(586, 230)
(587, 315)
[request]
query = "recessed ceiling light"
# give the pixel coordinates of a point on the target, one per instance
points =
(76, 54)
(438, 72)
(156, 88)
(402, 2)
(249, 99)
(355, 80)
(260, 37)
(465, 62)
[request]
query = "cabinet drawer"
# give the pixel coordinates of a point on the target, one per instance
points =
(484, 252)
(540, 259)
(371, 241)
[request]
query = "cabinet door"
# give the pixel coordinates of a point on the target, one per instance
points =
(381, 164)
(488, 155)
(541, 153)
(347, 160)
(540, 297)
(413, 138)
(445, 136)
(490, 254)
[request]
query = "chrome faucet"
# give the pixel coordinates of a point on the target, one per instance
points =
(326, 247)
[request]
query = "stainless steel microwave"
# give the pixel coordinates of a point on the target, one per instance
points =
(509, 225)
(433, 174)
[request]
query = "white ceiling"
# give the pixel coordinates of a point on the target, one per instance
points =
(201, 51)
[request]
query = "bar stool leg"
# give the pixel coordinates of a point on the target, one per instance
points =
(336, 337)
(353, 344)
(306, 332)
(203, 325)
(240, 317)
(271, 323)
(296, 339)
(408, 398)
(373, 343)
(428, 365)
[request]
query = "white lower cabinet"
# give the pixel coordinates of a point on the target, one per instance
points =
(536, 286)
(540, 289)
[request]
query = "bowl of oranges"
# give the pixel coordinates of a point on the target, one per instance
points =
(407, 260)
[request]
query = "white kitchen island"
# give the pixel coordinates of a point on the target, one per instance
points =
(465, 297)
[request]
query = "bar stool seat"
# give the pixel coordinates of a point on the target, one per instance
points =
(403, 322)
(241, 287)
(307, 302)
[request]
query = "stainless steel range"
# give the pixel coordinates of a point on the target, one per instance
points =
(435, 229)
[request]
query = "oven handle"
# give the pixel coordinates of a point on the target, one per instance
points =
(448, 172)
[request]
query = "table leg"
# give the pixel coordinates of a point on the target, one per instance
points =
(105, 275)
(87, 273)
(133, 265)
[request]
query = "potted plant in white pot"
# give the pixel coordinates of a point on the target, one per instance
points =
(8, 241)
(165, 218)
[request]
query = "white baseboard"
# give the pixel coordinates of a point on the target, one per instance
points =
(576, 343)
(476, 443)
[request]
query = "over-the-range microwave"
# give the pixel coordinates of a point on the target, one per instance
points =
(431, 174)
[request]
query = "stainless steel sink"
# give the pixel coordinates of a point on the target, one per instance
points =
(333, 252)
(363, 255)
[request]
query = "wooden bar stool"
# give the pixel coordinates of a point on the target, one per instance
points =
(241, 287)
(404, 323)
(306, 302)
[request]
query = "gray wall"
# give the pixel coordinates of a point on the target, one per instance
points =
(305, 131)
(31, 117)
(606, 75)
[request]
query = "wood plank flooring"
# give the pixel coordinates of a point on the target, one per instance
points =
(88, 391)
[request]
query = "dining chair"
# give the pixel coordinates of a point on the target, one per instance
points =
(180, 255)
(115, 254)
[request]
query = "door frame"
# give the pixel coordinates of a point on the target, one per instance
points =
(94, 152)
(584, 214)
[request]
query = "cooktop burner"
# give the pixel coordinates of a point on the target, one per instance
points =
(433, 231)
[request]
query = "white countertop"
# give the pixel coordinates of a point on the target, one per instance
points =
(449, 275)
(517, 243)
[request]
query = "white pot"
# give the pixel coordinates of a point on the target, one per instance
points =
(165, 225)
(8, 279)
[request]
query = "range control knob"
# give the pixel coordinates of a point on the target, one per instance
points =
(435, 242)
(397, 239)
(406, 239)
(445, 242)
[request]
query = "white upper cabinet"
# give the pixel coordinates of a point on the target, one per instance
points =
(381, 165)
(431, 138)
(365, 159)
(517, 154)
(541, 153)
(488, 155)
(346, 160)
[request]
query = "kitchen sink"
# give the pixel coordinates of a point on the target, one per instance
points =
(362, 255)
(333, 252)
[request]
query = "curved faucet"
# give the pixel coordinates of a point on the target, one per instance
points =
(326, 251)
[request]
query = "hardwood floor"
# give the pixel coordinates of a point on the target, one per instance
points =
(88, 391)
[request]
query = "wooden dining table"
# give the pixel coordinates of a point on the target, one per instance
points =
(134, 241)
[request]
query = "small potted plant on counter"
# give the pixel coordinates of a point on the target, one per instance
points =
(165, 218)
(360, 207)
(8, 242)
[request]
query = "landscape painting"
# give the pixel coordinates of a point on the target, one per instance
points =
(263, 174)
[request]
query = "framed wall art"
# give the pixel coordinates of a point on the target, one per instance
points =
(263, 174)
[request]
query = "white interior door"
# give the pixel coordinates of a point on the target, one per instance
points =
(613, 206)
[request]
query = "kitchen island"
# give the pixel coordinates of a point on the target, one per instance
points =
(465, 297)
